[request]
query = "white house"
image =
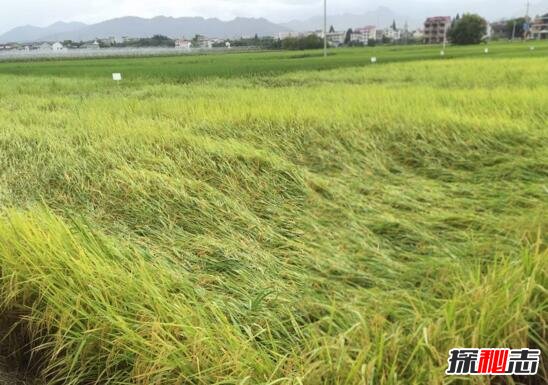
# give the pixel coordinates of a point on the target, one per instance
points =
(369, 32)
(336, 38)
(364, 34)
(359, 37)
(183, 44)
(58, 47)
(393, 34)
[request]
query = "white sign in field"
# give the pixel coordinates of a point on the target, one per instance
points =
(373, 59)
(117, 77)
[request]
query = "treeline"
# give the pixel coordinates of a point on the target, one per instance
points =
(289, 43)
(302, 43)
(508, 29)
(154, 41)
(266, 42)
(472, 29)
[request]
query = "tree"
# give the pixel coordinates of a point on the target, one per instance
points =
(518, 24)
(348, 37)
(302, 43)
(264, 42)
(469, 29)
(394, 26)
(332, 29)
(457, 18)
(195, 41)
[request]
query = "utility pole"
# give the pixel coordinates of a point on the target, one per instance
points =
(325, 28)
(526, 25)
(444, 37)
(514, 32)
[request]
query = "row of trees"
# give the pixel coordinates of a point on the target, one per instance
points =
(472, 29)
(289, 43)
(266, 42)
(301, 43)
(509, 29)
(154, 41)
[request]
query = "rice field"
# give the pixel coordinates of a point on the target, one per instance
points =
(273, 218)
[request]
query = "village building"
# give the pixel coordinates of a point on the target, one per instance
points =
(369, 31)
(392, 34)
(359, 37)
(435, 29)
(183, 44)
(58, 47)
(203, 42)
(336, 39)
(539, 28)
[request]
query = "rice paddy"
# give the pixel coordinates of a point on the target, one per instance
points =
(271, 218)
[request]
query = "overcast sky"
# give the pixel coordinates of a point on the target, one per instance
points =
(44, 12)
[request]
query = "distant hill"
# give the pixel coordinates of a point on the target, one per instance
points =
(141, 27)
(415, 12)
(382, 17)
(29, 33)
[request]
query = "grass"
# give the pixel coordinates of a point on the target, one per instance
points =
(269, 223)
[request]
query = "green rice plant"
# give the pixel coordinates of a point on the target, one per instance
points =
(274, 224)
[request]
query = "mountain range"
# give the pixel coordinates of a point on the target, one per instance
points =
(411, 12)
(140, 27)
(382, 16)
(29, 33)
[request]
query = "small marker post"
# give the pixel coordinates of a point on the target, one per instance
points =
(374, 59)
(117, 77)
